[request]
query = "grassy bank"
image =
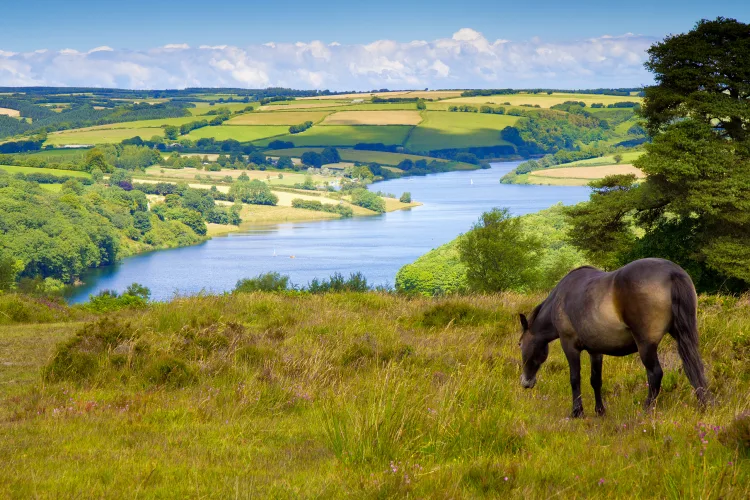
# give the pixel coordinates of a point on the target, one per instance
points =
(364, 395)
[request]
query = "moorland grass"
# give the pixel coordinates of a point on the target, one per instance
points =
(364, 395)
(445, 130)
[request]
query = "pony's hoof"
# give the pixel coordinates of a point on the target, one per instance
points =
(577, 413)
(600, 411)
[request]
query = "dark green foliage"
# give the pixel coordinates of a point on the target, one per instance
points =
(296, 129)
(170, 372)
(694, 206)
(498, 255)
(330, 155)
(285, 162)
(341, 209)
(278, 144)
(337, 283)
(366, 199)
(269, 282)
(312, 159)
(254, 192)
(405, 198)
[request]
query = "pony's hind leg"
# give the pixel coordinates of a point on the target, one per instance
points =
(596, 381)
(650, 359)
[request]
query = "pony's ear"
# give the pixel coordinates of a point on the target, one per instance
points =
(524, 322)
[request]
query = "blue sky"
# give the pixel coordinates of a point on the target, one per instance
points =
(344, 45)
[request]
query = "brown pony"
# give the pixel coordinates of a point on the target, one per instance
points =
(617, 313)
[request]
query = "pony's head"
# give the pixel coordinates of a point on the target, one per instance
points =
(534, 351)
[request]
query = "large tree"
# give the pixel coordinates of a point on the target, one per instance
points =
(694, 205)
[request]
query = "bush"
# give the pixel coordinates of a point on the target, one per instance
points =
(366, 199)
(337, 283)
(405, 198)
(269, 282)
(254, 192)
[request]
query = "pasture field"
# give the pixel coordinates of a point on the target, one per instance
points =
(263, 214)
(352, 155)
(188, 174)
(157, 123)
(103, 136)
(628, 157)
(287, 118)
(543, 100)
(242, 133)
(10, 112)
(373, 118)
(299, 104)
(589, 173)
(202, 107)
(351, 395)
(13, 169)
(346, 135)
(443, 130)
(63, 154)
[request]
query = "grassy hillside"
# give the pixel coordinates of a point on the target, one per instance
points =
(346, 135)
(445, 130)
(364, 395)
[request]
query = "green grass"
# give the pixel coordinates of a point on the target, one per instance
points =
(12, 169)
(201, 108)
(352, 395)
(444, 130)
(347, 135)
(158, 123)
(106, 136)
(628, 157)
(66, 154)
(242, 133)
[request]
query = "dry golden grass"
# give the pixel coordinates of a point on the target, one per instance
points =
(264, 214)
(398, 117)
(10, 112)
(434, 94)
(589, 172)
(290, 118)
(363, 95)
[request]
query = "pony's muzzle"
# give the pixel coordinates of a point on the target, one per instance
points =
(528, 383)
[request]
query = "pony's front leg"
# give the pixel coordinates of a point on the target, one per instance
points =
(574, 361)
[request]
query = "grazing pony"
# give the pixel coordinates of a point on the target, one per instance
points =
(616, 313)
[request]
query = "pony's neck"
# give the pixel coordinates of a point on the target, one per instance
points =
(544, 327)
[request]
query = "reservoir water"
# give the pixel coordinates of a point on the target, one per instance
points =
(377, 246)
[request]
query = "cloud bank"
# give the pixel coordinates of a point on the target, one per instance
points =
(465, 60)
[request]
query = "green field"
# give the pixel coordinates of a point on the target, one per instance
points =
(107, 136)
(201, 108)
(347, 135)
(147, 123)
(276, 118)
(242, 133)
(12, 169)
(444, 130)
(351, 395)
(628, 157)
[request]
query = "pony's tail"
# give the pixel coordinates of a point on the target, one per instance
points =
(685, 331)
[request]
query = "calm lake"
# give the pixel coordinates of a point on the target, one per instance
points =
(377, 246)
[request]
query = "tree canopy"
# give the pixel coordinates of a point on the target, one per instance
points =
(694, 205)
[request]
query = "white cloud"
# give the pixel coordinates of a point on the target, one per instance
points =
(464, 60)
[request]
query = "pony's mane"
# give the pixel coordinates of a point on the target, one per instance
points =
(536, 310)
